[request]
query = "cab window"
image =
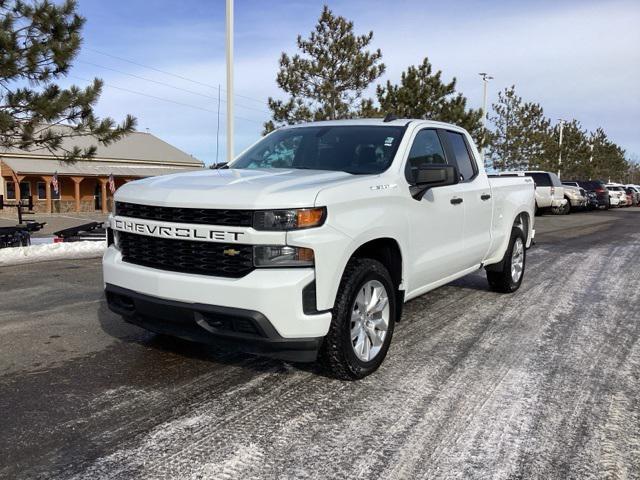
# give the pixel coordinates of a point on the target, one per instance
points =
(540, 179)
(466, 165)
(426, 150)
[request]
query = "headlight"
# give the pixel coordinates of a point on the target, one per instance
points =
(290, 219)
(282, 256)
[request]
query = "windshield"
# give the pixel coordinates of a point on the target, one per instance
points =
(351, 149)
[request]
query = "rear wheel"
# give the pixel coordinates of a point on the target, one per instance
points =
(364, 317)
(506, 277)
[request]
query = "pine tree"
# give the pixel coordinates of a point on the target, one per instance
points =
(633, 170)
(327, 78)
(38, 42)
(608, 160)
(423, 94)
(521, 133)
(575, 151)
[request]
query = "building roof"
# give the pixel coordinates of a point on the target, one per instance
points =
(135, 147)
(87, 168)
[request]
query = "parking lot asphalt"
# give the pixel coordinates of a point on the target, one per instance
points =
(539, 384)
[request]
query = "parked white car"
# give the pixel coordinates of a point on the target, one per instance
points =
(308, 244)
(618, 194)
(550, 194)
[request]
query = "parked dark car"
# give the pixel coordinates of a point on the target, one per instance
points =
(596, 192)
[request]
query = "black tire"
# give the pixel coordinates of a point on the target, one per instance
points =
(537, 211)
(336, 354)
(499, 276)
(567, 208)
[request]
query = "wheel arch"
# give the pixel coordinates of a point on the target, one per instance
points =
(523, 221)
(387, 251)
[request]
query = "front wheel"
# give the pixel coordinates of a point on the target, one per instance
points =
(364, 317)
(506, 277)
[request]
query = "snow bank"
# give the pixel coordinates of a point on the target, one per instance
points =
(54, 251)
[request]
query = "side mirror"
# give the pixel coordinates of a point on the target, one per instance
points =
(430, 176)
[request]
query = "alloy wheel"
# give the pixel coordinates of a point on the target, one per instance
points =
(369, 320)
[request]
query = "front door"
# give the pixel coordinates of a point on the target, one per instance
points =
(436, 221)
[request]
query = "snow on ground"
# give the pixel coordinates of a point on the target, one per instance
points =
(54, 251)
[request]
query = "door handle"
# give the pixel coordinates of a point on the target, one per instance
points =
(456, 201)
(485, 196)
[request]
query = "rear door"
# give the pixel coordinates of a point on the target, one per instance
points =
(478, 204)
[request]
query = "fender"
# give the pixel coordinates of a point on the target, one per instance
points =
(502, 248)
(333, 249)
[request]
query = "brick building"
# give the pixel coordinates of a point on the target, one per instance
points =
(83, 185)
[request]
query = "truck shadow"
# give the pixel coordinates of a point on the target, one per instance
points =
(475, 281)
(134, 336)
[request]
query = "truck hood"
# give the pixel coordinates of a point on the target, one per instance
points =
(233, 188)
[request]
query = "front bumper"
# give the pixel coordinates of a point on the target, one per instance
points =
(240, 329)
(578, 202)
(558, 202)
(277, 294)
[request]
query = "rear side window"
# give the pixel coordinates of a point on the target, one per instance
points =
(540, 179)
(555, 180)
(591, 185)
(466, 165)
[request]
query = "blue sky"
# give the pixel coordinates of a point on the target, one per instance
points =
(578, 59)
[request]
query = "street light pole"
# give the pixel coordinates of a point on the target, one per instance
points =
(485, 80)
(560, 147)
(229, 80)
(590, 158)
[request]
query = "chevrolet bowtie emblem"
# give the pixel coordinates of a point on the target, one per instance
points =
(231, 252)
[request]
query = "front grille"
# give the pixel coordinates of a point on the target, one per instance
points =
(205, 216)
(186, 256)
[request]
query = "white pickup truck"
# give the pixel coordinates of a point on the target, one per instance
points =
(308, 244)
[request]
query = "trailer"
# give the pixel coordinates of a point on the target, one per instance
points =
(92, 231)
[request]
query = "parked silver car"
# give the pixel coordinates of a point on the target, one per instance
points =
(575, 195)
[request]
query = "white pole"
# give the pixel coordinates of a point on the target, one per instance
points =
(560, 148)
(485, 81)
(229, 80)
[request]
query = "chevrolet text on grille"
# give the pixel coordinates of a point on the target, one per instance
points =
(165, 231)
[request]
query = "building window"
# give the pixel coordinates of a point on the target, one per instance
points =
(25, 190)
(42, 191)
(11, 190)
